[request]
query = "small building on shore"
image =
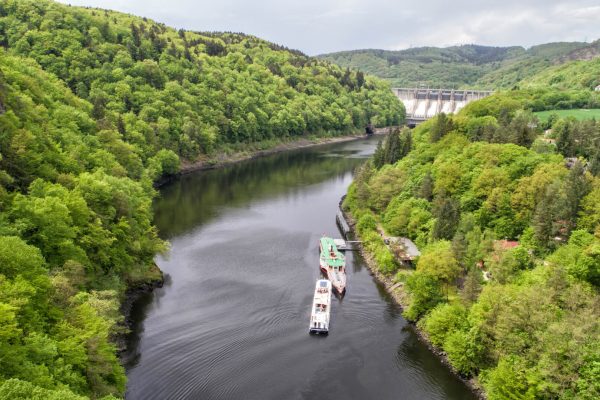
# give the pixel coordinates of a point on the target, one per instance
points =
(404, 249)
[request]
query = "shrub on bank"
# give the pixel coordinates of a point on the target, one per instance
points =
(425, 293)
(366, 223)
(442, 321)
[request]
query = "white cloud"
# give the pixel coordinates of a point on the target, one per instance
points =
(591, 13)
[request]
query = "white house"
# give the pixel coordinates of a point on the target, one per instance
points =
(597, 88)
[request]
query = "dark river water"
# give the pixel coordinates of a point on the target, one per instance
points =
(231, 321)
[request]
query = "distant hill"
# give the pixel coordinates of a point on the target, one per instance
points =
(470, 66)
(580, 70)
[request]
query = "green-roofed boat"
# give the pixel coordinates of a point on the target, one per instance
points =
(333, 264)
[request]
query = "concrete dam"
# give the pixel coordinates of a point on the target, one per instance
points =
(422, 104)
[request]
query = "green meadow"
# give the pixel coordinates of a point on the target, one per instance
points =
(579, 114)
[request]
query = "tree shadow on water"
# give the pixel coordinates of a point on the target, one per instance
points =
(135, 321)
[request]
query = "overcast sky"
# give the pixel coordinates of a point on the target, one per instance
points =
(320, 26)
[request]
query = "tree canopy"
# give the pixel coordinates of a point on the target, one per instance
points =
(96, 106)
(505, 213)
(190, 92)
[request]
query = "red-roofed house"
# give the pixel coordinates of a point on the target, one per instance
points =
(505, 244)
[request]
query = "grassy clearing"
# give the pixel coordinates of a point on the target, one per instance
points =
(579, 114)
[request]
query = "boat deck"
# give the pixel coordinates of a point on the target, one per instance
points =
(330, 254)
(319, 318)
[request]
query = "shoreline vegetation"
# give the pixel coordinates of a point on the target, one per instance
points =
(400, 297)
(153, 279)
(504, 211)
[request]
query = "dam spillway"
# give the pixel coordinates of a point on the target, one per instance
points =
(422, 104)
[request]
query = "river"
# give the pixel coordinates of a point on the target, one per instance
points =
(231, 321)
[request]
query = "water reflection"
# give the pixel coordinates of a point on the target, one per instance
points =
(424, 364)
(197, 198)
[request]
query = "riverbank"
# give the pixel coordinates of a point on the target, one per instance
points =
(137, 286)
(223, 159)
(400, 296)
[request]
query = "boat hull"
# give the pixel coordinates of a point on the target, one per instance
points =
(338, 284)
(339, 288)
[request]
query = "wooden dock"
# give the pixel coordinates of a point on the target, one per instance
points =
(342, 224)
(346, 245)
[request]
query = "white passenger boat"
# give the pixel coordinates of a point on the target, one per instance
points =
(319, 316)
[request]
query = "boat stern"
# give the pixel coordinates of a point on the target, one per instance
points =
(319, 330)
(339, 288)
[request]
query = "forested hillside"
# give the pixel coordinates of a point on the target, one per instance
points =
(73, 229)
(467, 66)
(507, 218)
(583, 75)
(186, 91)
(94, 107)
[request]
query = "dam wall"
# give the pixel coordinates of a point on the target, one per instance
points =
(422, 104)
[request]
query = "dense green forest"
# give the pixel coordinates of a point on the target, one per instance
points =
(507, 216)
(536, 99)
(572, 75)
(467, 66)
(95, 106)
(186, 91)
